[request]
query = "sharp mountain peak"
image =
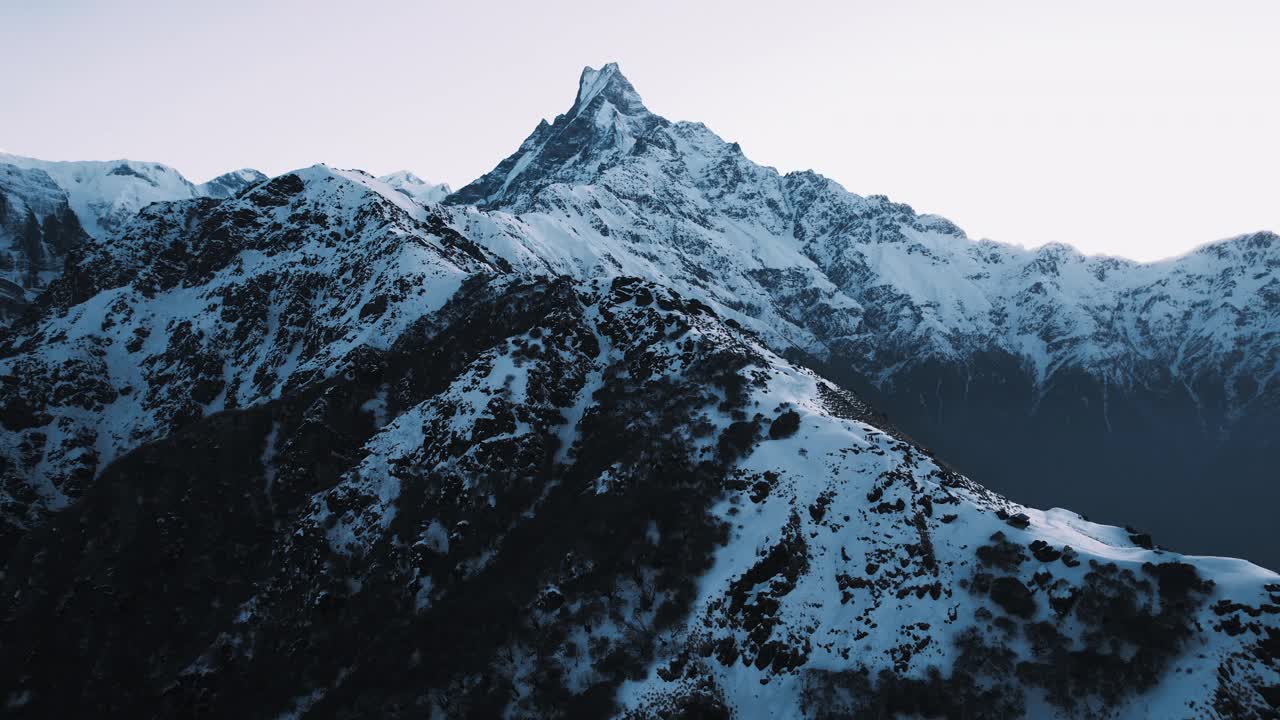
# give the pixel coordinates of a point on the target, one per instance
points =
(606, 118)
(611, 85)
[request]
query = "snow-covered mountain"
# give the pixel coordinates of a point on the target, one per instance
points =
(46, 209)
(417, 189)
(38, 229)
(1139, 391)
(559, 449)
(105, 194)
(229, 184)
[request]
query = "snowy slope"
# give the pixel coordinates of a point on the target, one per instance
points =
(861, 574)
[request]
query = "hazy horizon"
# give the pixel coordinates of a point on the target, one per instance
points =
(1022, 125)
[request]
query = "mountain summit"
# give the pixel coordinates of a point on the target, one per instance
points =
(604, 123)
(609, 84)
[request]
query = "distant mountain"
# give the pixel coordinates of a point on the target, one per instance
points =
(229, 184)
(38, 229)
(70, 202)
(322, 449)
(105, 194)
(1145, 393)
(417, 189)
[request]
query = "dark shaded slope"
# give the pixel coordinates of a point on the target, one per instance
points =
(1150, 457)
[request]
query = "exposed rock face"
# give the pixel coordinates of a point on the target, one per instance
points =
(1137, 393)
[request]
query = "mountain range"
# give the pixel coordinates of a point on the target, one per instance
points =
(1137, 393)
(630, 426)
(47, 209)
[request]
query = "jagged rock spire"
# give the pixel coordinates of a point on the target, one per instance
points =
(612, 86)
(606, 118)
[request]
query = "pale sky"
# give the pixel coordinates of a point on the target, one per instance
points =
(1130, 128)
